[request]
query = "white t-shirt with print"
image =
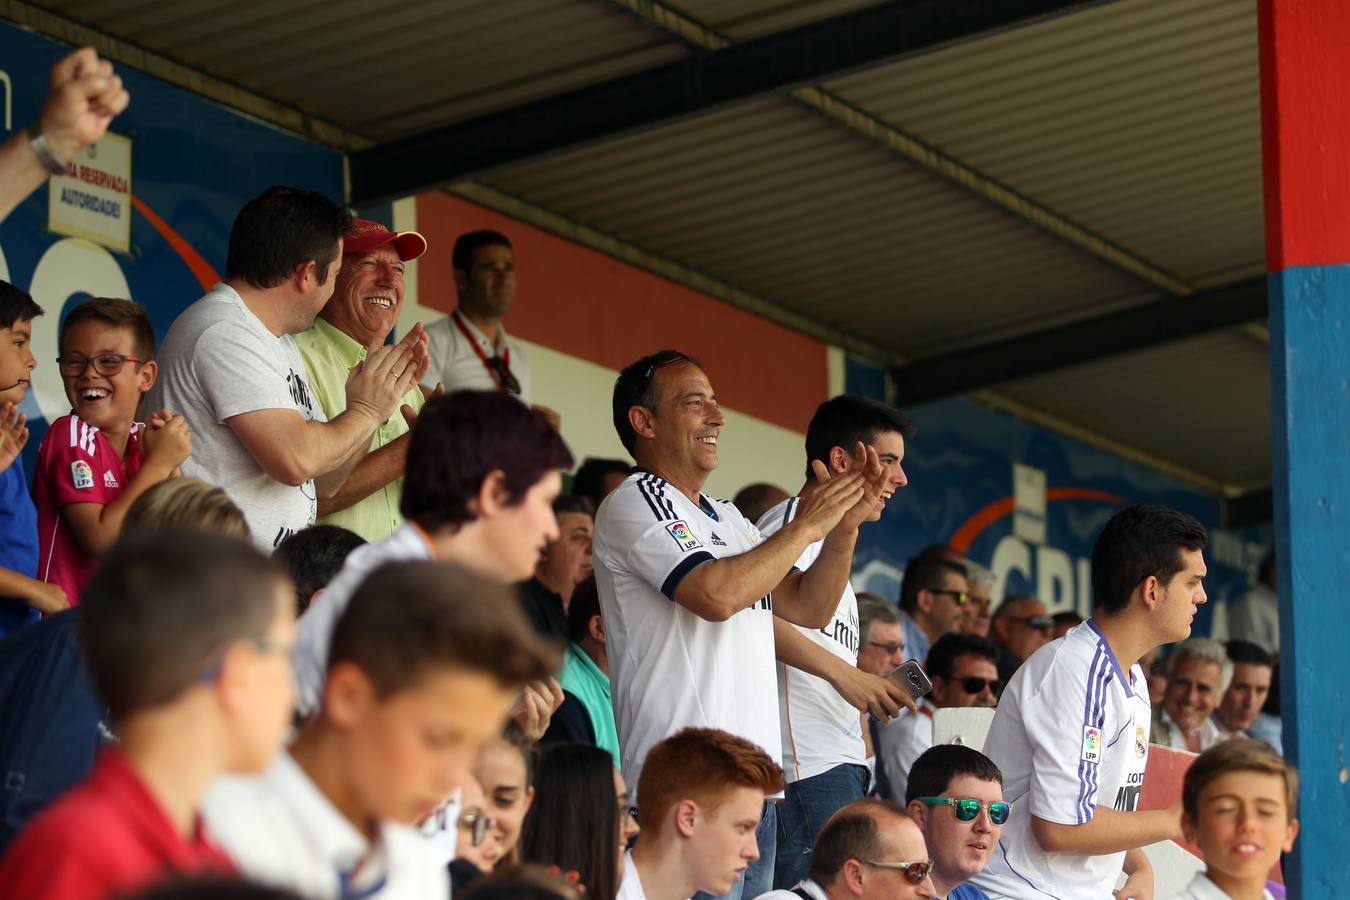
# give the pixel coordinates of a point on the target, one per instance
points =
(219, 361)
(820, 729)
(1070, 734)
(669, 668)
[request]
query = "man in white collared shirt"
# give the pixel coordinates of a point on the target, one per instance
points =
(1198, 672)
(425, 664)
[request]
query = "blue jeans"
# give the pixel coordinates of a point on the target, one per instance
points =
(758, 879)
(809, 805)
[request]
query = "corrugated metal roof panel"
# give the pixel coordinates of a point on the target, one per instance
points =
(786, 205)
(743, 20)
(395, 70)
(1204, 401)
(1139, 119)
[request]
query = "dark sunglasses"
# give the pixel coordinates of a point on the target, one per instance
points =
(1039, 623)
(961, 597)
(913, 872)
(973, 685)
(966, 809)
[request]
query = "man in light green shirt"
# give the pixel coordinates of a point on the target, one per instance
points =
(356, 320)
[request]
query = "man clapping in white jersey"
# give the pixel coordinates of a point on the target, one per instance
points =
(821, 690)
(689, 589)
(1072, 728)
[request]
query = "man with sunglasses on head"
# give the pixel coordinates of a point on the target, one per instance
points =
(962, 669)
(933, 599)
(955, 795)
(869, 850)
(1072, 729)
(689, 589)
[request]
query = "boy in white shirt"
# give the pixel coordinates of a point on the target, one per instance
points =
(1239, 800)
(702, 791)
(425, 664)
(1072, 728)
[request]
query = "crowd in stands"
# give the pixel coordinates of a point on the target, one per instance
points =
(294, 609)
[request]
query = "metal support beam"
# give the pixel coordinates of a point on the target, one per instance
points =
(701, 83)
(1056, 348)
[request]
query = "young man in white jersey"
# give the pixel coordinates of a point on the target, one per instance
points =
(689, 588)
(821, 690)
(1072, 728)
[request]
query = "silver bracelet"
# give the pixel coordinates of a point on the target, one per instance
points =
(38, 141)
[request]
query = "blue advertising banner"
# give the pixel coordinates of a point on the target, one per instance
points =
(1029, 504)
(146, 216)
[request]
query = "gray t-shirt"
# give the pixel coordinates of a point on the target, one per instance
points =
(220, 361)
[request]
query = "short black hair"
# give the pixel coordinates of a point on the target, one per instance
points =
(16, 306)
(313, 555)
(925, 573)
(1137, 542)
(1068, 617)
(282, 229)
(1249, 653)
(461, 438)
(947, 649)
(846, 420)
(935, 768)
(584, 605)
(572, 503)
(590, 478)
(469, 243)
(635, 387)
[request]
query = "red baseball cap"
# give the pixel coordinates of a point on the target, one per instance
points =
(368, 234)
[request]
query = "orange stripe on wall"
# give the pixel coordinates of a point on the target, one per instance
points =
(583, 303)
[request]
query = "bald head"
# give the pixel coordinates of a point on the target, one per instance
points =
(856, 839)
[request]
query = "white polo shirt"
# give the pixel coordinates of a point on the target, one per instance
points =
(903, 740)
(1070, 734)
(281, 830)
(820, 729)
(630, 885)
(455, 364)
(670, 669)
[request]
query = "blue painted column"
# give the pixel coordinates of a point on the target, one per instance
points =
(1305, 107)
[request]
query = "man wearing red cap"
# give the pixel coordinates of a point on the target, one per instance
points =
(356, 320)
(230, 364)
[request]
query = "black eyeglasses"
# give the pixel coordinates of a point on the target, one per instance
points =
(1038, 623)
(72, 365)
(475, 823)
(966, 809)
(961, 597)
(891, 649)
(914, 872)
(973, 685)
(504, 374)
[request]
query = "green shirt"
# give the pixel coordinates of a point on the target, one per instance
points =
(583, 678)
(330, 355)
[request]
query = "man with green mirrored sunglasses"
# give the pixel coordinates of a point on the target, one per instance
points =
(955, 795)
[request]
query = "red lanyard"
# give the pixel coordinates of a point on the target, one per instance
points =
(482, 357)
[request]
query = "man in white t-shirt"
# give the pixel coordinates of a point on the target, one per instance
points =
(689, 589)
(703, 794)
(1072, 729)
(821, 690)
(230, 366)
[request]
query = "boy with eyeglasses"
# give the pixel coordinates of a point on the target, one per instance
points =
(955, 795)
(963, 669)
(424, 666)
(23, 596)
(188, 639)
(95, 461)
(1072, 729)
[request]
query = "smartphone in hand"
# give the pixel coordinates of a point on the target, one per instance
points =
(910, 676)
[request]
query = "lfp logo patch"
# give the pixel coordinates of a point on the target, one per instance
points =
(81, 474)
(683, 536)
(1092, 744)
